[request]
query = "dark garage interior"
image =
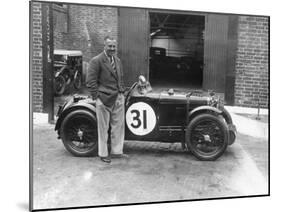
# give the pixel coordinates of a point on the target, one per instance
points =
(176, 50)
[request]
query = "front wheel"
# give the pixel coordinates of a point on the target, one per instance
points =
(207, 137)
(79, 133)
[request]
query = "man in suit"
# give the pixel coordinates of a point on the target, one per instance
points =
(105, 83)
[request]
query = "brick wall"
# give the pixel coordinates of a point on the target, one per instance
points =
(75, 28)
(252, 72)
(84, 28)
(87, 26)
(60, 20)
(36, 54)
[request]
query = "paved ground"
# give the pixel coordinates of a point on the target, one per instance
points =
(153, 172)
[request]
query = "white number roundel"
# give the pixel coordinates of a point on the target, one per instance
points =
(140, 118)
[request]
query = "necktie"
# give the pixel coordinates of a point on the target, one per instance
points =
(112, 63)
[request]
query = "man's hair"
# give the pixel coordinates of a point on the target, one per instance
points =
(108, 37)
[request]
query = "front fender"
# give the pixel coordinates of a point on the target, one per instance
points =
(227, 116)
(231, 127)
(203, 109)
(75, 106)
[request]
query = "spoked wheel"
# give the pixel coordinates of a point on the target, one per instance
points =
(77, 80)
(207, 137)
(79, 133)
(59, 85)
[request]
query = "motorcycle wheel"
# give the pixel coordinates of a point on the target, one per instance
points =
(77, 80)
(59, 85)
(207, 137)
(79, 133)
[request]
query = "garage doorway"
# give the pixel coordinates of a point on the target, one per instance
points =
(176, 50)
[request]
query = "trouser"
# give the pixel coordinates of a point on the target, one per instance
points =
(113, 116)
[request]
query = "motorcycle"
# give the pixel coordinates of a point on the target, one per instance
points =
(68, 68)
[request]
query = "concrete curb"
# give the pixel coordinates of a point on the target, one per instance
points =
(40, 118)
(246, 110)
(250, 127)
(246, 125)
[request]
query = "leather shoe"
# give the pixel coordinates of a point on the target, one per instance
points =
(119, 156)
(105, 159)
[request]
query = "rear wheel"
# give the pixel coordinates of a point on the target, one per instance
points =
(79, 133)
(207, 137)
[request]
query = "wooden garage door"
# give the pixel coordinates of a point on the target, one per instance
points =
(231, 58)
(133, 40)
(215, 52)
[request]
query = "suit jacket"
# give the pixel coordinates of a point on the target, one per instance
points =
(103, 82)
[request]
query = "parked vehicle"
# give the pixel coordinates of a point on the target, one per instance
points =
(200, 123)
(162, 65)
(68, 69)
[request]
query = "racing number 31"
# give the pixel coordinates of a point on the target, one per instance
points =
(140, 118)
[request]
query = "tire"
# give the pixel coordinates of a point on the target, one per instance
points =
(59, 85)
(77, 81)
(79, 133)
(207, 137)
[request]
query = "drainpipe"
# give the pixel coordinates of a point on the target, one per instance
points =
(258, 116)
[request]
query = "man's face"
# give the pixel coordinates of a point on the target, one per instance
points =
(110, 47)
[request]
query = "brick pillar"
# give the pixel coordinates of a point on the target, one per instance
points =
(36, 54)
(47, 59)
(252, 63)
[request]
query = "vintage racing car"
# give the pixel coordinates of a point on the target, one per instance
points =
(200, 123)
